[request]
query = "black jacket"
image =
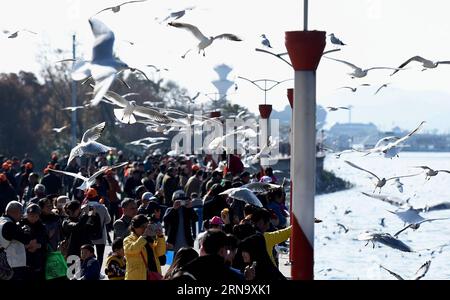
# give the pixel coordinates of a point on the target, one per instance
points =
(171, 222)
(76, 232)
(36, 260)
(7, 194)
(52, 183)
(209, 268)
(214, 207)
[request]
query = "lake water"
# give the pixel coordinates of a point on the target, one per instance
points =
(340, 255)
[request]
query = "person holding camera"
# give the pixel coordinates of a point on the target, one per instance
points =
(179, 222)
(142, 248)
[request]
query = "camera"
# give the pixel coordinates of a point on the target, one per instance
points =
(182, 202)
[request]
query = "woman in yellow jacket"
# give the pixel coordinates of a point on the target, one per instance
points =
(141, 250)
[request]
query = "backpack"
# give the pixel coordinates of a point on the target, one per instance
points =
(94, 223)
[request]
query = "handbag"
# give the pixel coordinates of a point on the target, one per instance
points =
(56, 265)
(151, 275)
(6, 272)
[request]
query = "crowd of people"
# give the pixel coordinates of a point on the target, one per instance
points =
(144, 210)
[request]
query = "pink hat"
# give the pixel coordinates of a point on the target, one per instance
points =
(216, 221)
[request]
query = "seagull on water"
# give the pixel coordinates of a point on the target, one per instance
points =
(430, 172)
(104, 66)
(204, 41)
(426, 64)
(380, 181)
(420, 273)
(116, 9)
(59, 130)
(265, 41)
(88, 182)
(392, 148)
(359, 72)
(335, 41)
(89, 144)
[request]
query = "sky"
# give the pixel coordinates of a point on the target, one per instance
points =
(377, 33)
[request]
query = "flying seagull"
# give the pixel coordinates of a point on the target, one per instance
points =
(359, 72)
(388, 199)
(398, 185)
(104, 66)
(426, 64)
(89, 144)
(88, 182)
(343, 227)
(59, 130)
(354, 89)
(177, 14)
(392, 148)
(204, 41)
(72, 108)
(380, 181)
(191, 99)
(420, 273)
(416, 225)
(265, 41)
(430, 172)
(382, 86)
(332, 108)
(16, 34)
(334, 40)
(116, 9)
(129, 108)
(156, 68)
(385, 239)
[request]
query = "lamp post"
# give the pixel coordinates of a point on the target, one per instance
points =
(305, 48)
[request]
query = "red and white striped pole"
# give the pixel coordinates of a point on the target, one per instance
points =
(305, 49)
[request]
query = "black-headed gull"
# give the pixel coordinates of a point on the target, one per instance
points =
(59, 130)
(16, 34)
(116, 9)
(354, 89)
(332, 108)
(89, 144)
(88, 182)
(204, 41)
(103, 66)
(391, 148)
(359, 72)
(335, 41)
(380, 181)
(430, 172)
(420, 273)
(426, 64)
(382, 86)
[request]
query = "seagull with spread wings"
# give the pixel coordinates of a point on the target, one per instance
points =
(416, 225)
(380, 181)
(89, 144)
(430, 172)
(359, 72)
(381, 87)
(332, 108)
(116, 9)
(354, 89)
(204, 40)
(72, 108)
(88, 182)
(388, 199)
(104, 66)
(390, 145)
(59, 130)
(16, 34)
(426, 64)
(420, 273)
(129, 108)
